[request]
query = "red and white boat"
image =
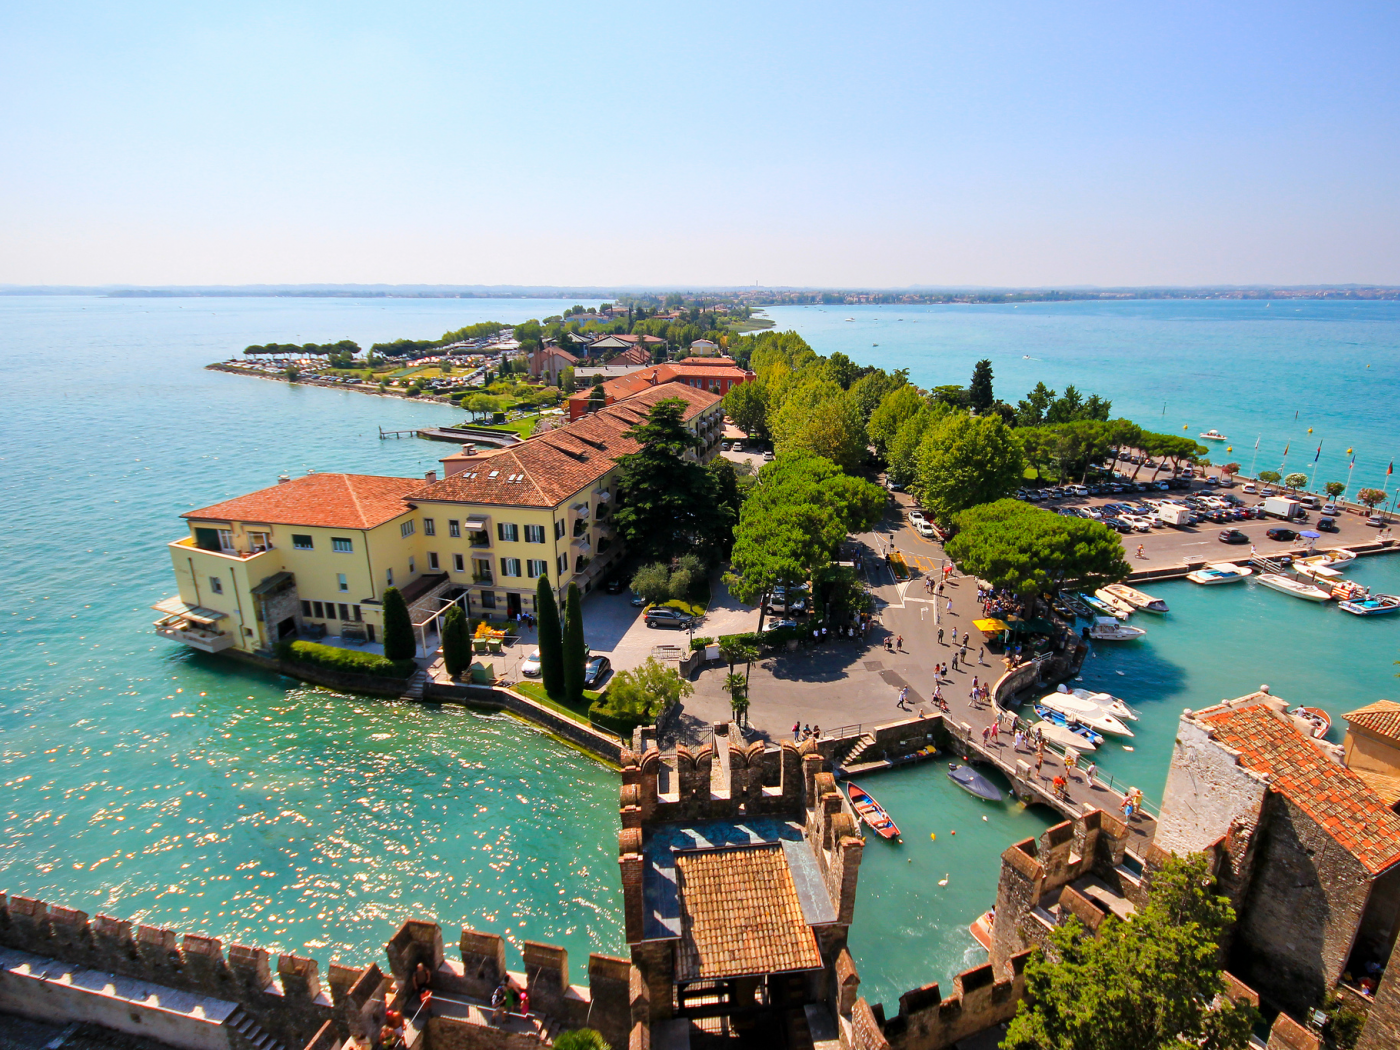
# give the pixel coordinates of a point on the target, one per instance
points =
(873, 813)
(981, 928)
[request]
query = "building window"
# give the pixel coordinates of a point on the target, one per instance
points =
(432, 560)
(563, 562)
(358, 619)
(406, 529)
(306, 608)
(412, 567)
(559, 528)
(317, 611)
(260, 541)
(216, 585)
(459, 563)
(534, 533)
(389, 576)
(488, 599)
(429, 527)
(226, 540)
(510, 566)
(507, 532)
(341, 545)
(536, 567)
(302, 543)
(344, 611)
(454, 527)
(343, 581)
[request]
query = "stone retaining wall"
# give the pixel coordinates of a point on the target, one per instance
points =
(600, 745)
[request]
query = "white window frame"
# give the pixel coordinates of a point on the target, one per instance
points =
(510, 563)
(454, 527)
(534, 533)
(216, 585)
(348, 548)
(343, 581)
(406, 529)
(507, 532)
(459, 563)
(535, 568)
(429, 527)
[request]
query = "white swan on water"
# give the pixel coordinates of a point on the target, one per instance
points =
(943, 881)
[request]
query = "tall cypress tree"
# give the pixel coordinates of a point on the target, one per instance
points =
(551, 641)
(573, 647)
(398, 628)
(456, 645)
(980, 391)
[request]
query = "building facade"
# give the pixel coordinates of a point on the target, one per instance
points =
(312, 556)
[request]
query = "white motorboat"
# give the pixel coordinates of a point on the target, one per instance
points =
(1095, 602)
(1085, 712)
(1221, 572)
(1136, 598)
(1107, 629)
(1213, 435)
(1317, 570)
(1286, 585)
(1374, 605)
(1064, 736)
(1336, 558)
(1118, 605)
(1107, 702)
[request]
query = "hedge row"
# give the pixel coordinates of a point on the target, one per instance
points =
(348, 661)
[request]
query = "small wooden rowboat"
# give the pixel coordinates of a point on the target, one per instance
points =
(981, 929)
(873, 813)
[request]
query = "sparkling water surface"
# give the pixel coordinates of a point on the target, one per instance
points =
(152, 782)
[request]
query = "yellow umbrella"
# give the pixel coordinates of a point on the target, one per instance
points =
(989, 626)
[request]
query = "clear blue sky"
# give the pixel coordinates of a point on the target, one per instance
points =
(605, 143)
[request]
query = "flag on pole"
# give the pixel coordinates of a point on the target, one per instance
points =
(1319, 452)
(1256, 442)
(1390, 469)
(1285, 449)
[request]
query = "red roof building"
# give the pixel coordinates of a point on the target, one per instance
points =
(714, 374)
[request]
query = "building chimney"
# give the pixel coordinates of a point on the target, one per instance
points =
(430, 477)
(469, 450)
(282, 479)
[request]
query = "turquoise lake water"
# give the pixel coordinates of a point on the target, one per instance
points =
(147, 781)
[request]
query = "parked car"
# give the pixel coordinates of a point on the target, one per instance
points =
(776, 624)
(1331, 508)
(1117, 526)
(768, 457)
(668, 617)
(916, 516)
(531, 667)
(1233, 536)
(1281, 534)
(925, 529)
(615, 585)
(724, 446)
(1376, 521)
(738, 446)
(1326, 525)
(1249, 486)
(596, 670)
(637, 600)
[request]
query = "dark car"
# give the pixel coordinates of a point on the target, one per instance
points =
(1233, 536)
(596, 670)
(1281, 534)
(666, 617)
(637, 600)
(1118, 525)
(615, 585)
(1326, 525)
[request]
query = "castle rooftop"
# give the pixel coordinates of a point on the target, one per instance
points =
(1336, 798)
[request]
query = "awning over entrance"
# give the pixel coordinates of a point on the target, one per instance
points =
(197, 613)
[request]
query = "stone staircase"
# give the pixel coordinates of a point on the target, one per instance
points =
(416, 684)
(251, 1035)
(851, 752)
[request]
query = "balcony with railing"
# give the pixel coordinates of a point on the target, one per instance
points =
(479, 539)
(193, 625)
(187, 544)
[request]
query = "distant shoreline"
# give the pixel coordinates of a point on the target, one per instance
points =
(758, 297)
(371, 389)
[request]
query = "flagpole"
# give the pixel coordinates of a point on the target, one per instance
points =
(1255, 456)
(1313, 477)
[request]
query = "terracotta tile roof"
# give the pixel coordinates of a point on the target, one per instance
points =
(740, 915)
(548, 469)
(332, 501)
(1381, 718)
(1330, 794)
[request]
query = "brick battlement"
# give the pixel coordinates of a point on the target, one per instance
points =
(284, 992)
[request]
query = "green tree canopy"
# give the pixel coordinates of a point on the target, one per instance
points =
(964, 461)
(669, 503)
(647, 690)
(899, 405)
(573, 649)
(456, 643)
(398, 628)
(551, 638)
(1370, 497)
(795, 520)
(816, 416)
(1270, 477)
(747, 405)
(652, 582)
(979, 391)
(1150, 983)
(873, 387)
(1296, 480)
(1334, 488)
(1033, 551)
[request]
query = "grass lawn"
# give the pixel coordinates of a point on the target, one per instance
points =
(524, 426)
(535, 691)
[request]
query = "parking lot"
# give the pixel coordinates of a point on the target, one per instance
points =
(1167, 545)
